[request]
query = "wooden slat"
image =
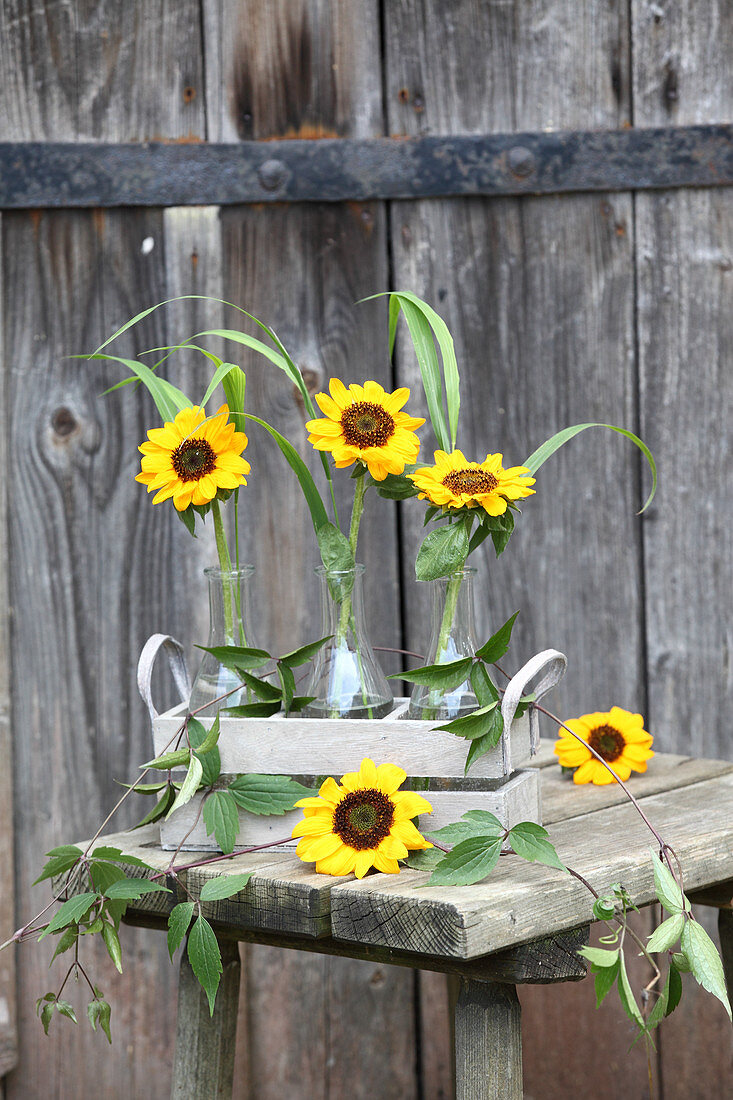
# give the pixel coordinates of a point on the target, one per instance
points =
(606, 846)
(684, 253)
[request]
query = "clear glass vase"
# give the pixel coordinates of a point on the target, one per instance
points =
(229, 618)
(453, 636)
(346, 681)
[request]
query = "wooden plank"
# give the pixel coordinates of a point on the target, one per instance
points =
(8, 1010)
(305, 70)
(684, 250)
(605, 846)
(204, 1060)
(488, 1042)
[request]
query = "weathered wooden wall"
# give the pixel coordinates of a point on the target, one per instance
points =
(589, 307)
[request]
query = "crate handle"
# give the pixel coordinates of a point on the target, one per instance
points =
(555, 664)
(176, 661)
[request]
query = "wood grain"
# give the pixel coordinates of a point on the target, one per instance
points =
(488, 1042)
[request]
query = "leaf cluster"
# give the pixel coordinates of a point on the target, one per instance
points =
(483, 727)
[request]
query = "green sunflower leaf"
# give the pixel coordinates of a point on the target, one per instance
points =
(442, 677)
(317, 508)
(234, 384)
(666, 934)
(335, 549)
(530, 841)
(205, 958)
(500, 535)
(443, 551)
(469, 862)
(267, 794)
(178, 923)
(396, 487)
(498, 643)
(704, 960)
(221, 817)
(478, 723)
(224, 886)
(304, 654)
(169, 400)
(188, 519)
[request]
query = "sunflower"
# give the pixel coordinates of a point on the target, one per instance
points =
(454, 482)
(193, 457)
(363, 823)
(364, 424)
(616, 735)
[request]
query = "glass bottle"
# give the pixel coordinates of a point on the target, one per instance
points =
(229, 614)
(453, 636)
(346, 681)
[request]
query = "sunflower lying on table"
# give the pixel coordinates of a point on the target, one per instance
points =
(364, 823)
(616, 735)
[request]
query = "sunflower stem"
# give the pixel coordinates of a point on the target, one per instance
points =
(225, 564)
(345, 616)
(451, 602)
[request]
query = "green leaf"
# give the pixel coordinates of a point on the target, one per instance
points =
(131, 889)
(704, 960)
(189, 786)
(46, 1014)
(430, 513)
(626, 995)
(498, 643)
(254, 710)
(66, 1010)
(666, 934)
(112, 943)
(66, 940)
(178, 922)
(474, 823)
(234, 385)
(224, 886)
(501, 533)
(680, 962)
(424, 859)
(104, 874)
(238, 657)
(483, 686)
(287, 683)
(221, 818)
(666, 886)
(442, 552)
(548, 448)
(160, 808)
(335, 549)
(205, 958)
(169, 400)
(267, 794)
(675, 989)
(200, 739)
(188, 519)
(218, 377)
(605, 978)
(659, 1011)
(317, 508)
(304, 654)
(599, 956)
(530, 841)
(169, 760)
(482, 745)
(469, 862)
(263, 689)
(61, 860)
(71, 912)
(443, 677)
(300, 701)
(104, 851)
(483, 722)
(99, 1011)
(604, 908)
(209, 758)
(396, 487)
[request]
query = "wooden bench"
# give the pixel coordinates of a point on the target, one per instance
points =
(524, 924)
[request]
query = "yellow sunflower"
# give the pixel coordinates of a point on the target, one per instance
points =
(616, 735)
(191, 458)
(363, 823)
(454, 482)
(364, 424)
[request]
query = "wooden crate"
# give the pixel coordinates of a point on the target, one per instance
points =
(311, 748)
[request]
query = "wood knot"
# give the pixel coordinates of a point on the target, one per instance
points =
(63, 422)
(189, 94)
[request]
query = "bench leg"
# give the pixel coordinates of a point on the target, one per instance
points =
(725, 931)
(203, 1068)
(488, 1042)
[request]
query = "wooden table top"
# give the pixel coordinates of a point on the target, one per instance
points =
(595, 830)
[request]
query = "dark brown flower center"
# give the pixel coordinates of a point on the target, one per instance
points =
(193, 458)
(366, 425)
(607, 742)
(363, 819)
(470, 481)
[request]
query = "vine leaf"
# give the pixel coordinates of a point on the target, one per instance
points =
(205, 958)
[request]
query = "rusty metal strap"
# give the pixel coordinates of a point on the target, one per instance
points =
(45, 174)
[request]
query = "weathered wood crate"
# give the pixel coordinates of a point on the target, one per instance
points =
(309, 749)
